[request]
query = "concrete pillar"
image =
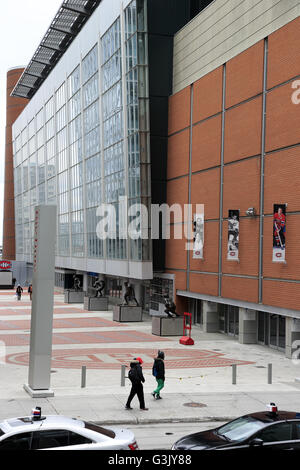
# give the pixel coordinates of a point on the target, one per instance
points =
(210, 317)
(85, 282)
(292, 336)
(42, 303)
(247, 326)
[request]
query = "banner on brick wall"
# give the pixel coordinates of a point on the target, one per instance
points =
(279, 232)
(233, 235)
(198, 236)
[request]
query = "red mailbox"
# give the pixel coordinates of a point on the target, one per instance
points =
(187, 326)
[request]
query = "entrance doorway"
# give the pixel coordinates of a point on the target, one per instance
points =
(229, 320)
(271, 330)
(196, 309)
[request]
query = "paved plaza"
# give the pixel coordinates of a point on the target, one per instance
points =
(198, 383)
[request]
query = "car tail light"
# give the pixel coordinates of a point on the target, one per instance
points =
(133, 446)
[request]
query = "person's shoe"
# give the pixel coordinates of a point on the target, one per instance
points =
(158, 397)
(128, 408)
(153, 394)
(144, 409)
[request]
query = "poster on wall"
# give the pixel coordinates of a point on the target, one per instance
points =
(279, 232)
(233, 235)
(198, 236)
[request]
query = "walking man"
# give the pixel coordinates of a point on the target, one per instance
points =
(158, 370)
(136, 377)
(30, 291)
(19, 291)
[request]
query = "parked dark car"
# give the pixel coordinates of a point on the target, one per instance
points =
(271, 429)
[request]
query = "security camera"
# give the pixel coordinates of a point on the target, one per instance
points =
(250, 211)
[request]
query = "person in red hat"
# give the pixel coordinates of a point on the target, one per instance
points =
(136, 377)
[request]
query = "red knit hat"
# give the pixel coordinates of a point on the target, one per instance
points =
(139, 359)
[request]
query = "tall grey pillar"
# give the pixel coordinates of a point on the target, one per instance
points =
(247, 326)
(42, 302)
(210, 317)
(85, 283)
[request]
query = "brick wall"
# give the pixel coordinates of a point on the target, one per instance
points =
(242, 138)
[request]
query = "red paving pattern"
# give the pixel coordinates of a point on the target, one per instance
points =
(61, 323)
(19, 303)
(97, 358)
(113, 358)
(85, 338)
(27, 311)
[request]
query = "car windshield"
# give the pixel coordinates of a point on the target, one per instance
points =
(99, 429)
(240, 428)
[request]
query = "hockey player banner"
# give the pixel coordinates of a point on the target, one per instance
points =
(233, 235)
(279, 232)
(198, 236)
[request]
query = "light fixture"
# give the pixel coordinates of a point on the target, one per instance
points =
(251, 211)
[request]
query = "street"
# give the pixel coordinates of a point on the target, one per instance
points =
(162, 436)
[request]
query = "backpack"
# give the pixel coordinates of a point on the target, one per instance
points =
(154, 371)
(132, 375)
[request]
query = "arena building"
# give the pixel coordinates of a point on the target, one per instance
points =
(188, 103)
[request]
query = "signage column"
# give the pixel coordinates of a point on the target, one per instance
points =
(42, 302)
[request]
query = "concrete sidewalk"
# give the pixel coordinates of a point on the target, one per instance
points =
(198, 393)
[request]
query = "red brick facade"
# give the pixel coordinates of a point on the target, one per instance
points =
(14, 106)
(242, 139)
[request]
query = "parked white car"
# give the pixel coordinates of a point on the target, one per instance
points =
(62, 433)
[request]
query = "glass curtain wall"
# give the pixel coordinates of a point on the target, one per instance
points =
(73, 151)
(136, 58)
(113, 144)
(91, 124)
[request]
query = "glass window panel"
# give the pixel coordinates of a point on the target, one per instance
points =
(91, 117)
(40, 138)
(49, 109)
(92, 142)
(76, 152)
(50, 149)
(40, 119)
(93, 169)
(61, 118)
(74, 106)
(50, 129)
(111, 72)
(60, 96)
(75, 130)
(91, 90)
(90, 64)
(51, 168)
(74, 82)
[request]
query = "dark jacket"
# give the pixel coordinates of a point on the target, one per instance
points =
(159, 365)
(136, 373)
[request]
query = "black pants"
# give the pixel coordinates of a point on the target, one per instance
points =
(137, 389)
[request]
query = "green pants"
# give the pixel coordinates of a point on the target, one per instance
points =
(160, 385)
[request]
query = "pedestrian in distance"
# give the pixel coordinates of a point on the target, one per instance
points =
(136, 377)
(19, 291)
(158, 371)
(30, 291)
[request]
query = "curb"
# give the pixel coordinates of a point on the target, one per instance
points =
(136, 420)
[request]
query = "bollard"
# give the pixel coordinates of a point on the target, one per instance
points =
(269, 373)
(83, 376)
(233, 374)
(123, 370)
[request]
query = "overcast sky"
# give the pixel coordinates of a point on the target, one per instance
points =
(24, 23)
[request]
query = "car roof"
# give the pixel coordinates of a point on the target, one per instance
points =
(269, 417)
(28, 424)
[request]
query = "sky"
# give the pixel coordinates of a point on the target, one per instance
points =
(23, 25)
